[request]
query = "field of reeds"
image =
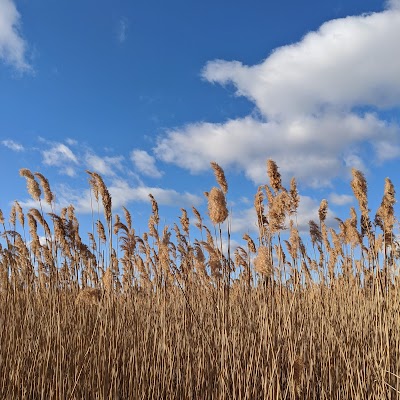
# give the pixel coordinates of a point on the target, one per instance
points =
(171, 314)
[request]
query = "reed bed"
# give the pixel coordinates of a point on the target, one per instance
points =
(170, 315)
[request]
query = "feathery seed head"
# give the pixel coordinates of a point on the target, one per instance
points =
(250, 243)
(217, 208)
(262, 262)
(89, 296)
(275, 179)
(48, 194)
(360, 190)
(323, 210)
(184, 221)
(294, 196)
(220, 177)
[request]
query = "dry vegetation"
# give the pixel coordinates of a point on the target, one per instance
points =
(169, 315)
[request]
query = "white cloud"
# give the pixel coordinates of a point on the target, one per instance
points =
(348, 62)
(145, 163)
(308, 210)
(12, 45)
(341, 199)
(71, 142)
(311, 148)
(393, 4)
(122, 193)
(104, 165)
(244, 221)
(13, 145)
(354, 161)
(60, 155)
(386, 150)
(69, 171)
(309, 96)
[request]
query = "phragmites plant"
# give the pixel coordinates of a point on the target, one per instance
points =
(176, 314)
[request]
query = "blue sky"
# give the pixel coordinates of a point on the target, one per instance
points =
(148, 93)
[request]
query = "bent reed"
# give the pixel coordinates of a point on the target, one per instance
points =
(171, 314)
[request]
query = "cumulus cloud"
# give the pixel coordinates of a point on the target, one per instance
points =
(145, 163)
(341, 199)
(104, 165)
(314, 149)
(244, 221)
(12, 45)
(347, 62)
(13, 145)
(316, 99)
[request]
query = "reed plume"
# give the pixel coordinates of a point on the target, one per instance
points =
(217, 208)
(184, 221)
(251, 245)
(263, 262)
(48, 194)
(294, 197)
(220, 177)
(323, 210)
(31, 184)
(275, 179)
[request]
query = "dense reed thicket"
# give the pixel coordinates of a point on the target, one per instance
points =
(170, 315)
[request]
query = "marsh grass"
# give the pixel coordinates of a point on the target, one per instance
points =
(168, 315)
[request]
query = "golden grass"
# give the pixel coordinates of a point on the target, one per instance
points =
(167, 315)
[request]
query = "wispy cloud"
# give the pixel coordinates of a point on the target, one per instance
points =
(308, 98)
(145, 163)
(13, 145)
(60, 155)
(71, 142)
(12, 45)
(122, 30)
